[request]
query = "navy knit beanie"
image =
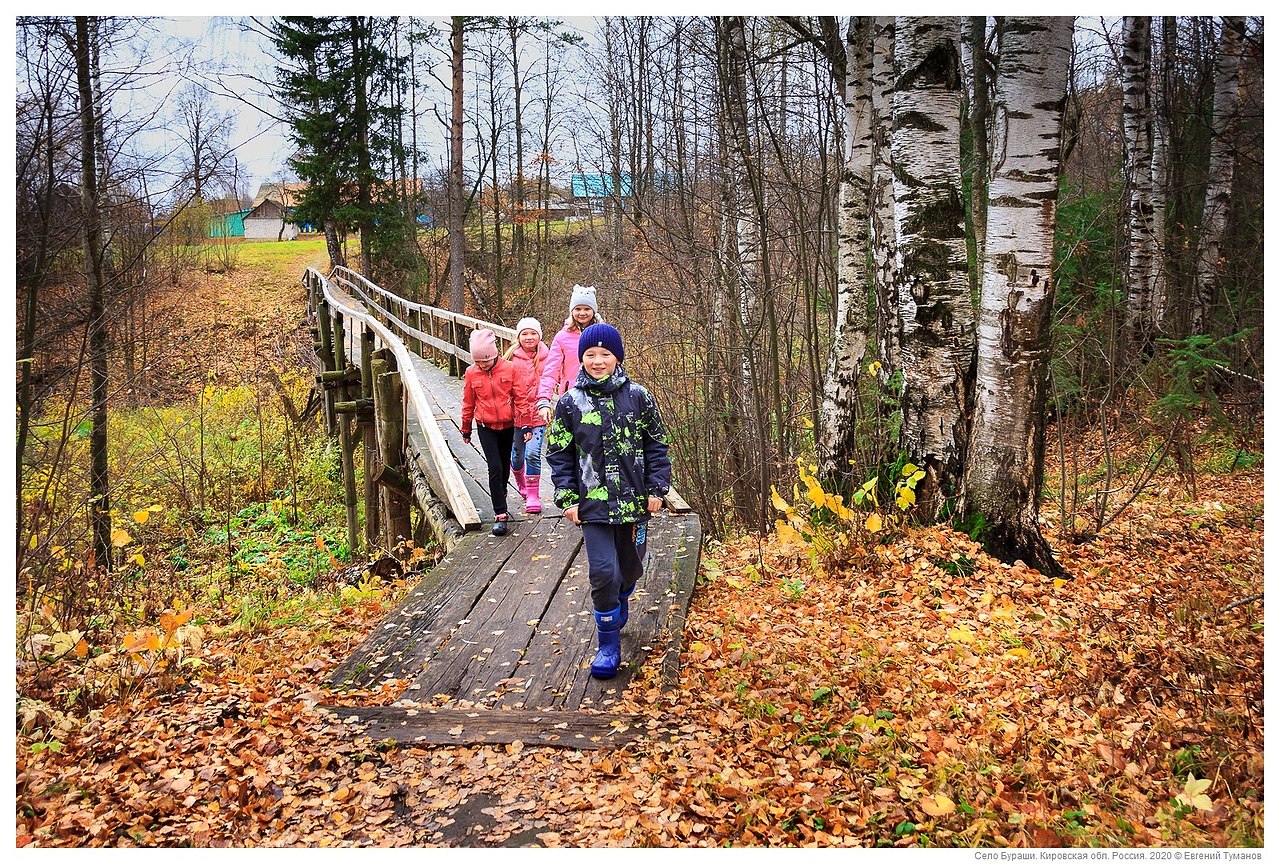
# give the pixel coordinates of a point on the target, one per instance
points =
(604, 336)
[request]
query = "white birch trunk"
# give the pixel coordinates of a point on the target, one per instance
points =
(1135, 65)
(836, 437)
(1006, 448)
(933, 283)
(1217, 194)
(1160, 141)
(883, 239)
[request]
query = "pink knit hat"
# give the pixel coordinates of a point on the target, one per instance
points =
(484, 345)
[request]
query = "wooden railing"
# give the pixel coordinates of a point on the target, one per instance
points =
(334, 306)
(430, 332)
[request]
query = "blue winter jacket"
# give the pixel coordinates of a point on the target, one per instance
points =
(607, 449)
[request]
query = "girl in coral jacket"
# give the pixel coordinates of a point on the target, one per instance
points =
(562, 361)
(494, 395)
(530, 357)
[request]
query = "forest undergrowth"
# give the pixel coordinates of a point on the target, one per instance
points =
(842, 683)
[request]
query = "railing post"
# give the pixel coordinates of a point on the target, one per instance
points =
(346, 445)
(417, 322)
(368, 430)
(396, 487)
(455, 364)
(326, 363)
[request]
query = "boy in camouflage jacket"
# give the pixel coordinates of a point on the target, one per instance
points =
(607, 449)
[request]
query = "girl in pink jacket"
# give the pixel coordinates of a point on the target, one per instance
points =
(529, 356)
(562, 361)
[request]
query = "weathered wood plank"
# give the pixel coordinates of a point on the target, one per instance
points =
(485, 652)
(412, 633)
(442, 726)
(654, 603)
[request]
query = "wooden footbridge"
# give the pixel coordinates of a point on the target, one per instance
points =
(494, 644)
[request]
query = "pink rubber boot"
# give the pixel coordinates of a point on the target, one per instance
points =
(532, 503)
(520, 482)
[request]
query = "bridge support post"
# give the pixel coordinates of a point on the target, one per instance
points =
(345, 443)
(388, 411)
(326, 363)
(372, 513)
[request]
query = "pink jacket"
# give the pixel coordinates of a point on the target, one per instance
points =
(530, 369)
(561, 369)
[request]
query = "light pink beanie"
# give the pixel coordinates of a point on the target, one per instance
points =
(484, 345)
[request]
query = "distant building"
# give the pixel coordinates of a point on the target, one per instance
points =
(270, 220)
(228, 224)
(590, 191)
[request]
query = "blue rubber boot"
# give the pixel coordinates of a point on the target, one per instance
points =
(609, 629)
(623, 606)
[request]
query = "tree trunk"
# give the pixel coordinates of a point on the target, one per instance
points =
(1217, 194)
(1162, 139)
(979, 116)
(1005, 465)
(884, 241)
(457, 241)
(99, 487)
(933, 282)
(1136, 115)
(837, 429)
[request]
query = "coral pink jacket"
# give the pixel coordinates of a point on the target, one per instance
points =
(530, 368)
(494, 398)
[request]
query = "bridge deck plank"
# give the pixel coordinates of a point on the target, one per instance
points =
(502, 627)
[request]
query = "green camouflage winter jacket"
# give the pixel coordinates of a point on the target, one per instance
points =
(607, 449)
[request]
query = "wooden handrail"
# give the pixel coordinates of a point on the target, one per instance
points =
(506, 335)
(459, 500)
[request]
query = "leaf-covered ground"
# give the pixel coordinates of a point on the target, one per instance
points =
(925, 696)
(933, 696)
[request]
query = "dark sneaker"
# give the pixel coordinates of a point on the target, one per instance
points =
(500, 526)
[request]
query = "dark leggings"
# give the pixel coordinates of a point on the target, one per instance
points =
(496, 444)
(614, 561)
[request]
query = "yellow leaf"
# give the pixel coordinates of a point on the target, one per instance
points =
(138, 559)
(1193, 795)
(960, 634)
(906, 493)
(909, 469)
(790, 536)
(82, 649)
(776, 500)
(875, 367)
(1018, 652)
(937, 805)
(319, 542)
(874, 523)
(153, 642)
(120, 537)
(1058, 583)
(141, 516)
(156, 508)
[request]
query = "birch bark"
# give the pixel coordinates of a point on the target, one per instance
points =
(933, 284)
(1005, 464)
(1217, 194)
(837, 425)
(1135, 63)
(883, 239)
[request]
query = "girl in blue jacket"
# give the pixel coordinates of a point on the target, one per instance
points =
(607, 450)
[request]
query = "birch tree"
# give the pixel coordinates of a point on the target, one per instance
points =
(883, 240)
(837, 429)
(1005, 466)
(1217, 195)
(933, 283)
(1135, 67)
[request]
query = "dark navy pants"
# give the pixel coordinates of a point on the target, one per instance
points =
(496, 444)
(615, 559)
